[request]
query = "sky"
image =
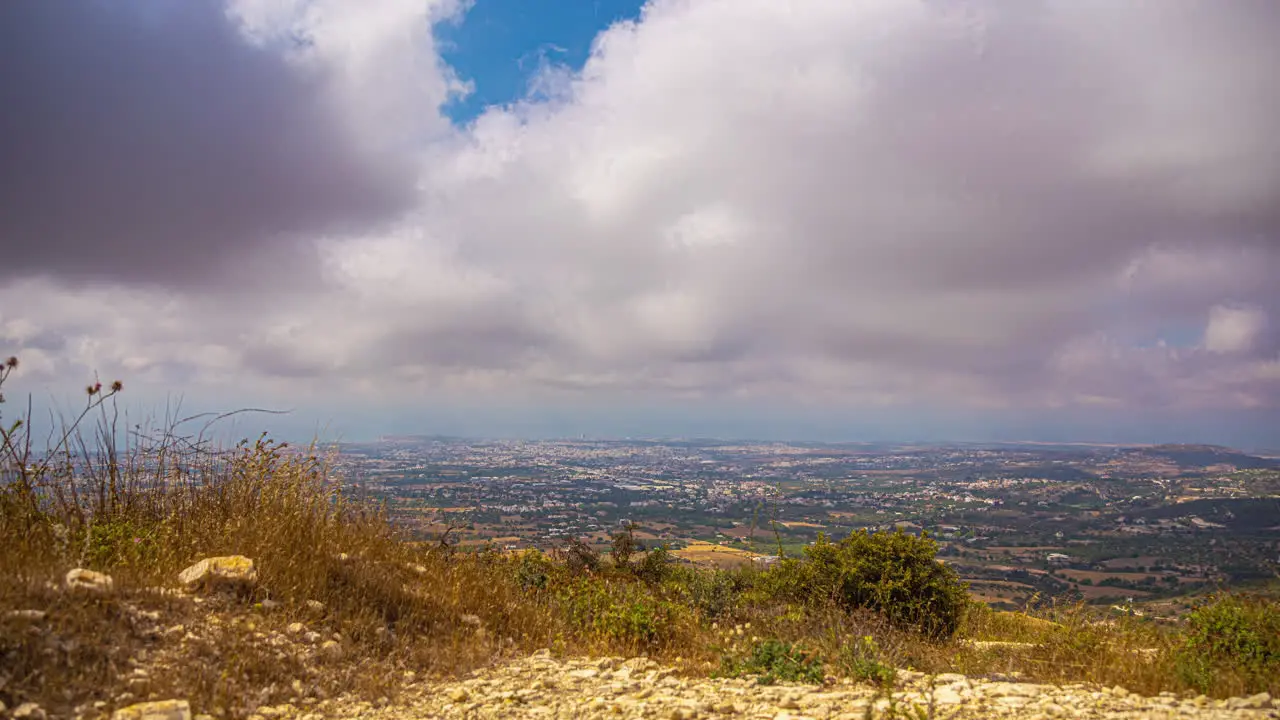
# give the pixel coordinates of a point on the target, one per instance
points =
(831, 219)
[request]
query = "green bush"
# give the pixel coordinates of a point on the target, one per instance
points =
(773, 660)
(624, 545)
(895, 574)
(656, 566)
(713, 593)
(860, 660)
(1234, 640)
(534, 570)
(579, 557)
(621, 612)
(119, 542)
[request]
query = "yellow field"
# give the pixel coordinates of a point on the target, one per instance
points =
(705, 553)
(801, 525)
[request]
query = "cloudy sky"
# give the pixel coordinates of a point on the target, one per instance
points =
(836, 219)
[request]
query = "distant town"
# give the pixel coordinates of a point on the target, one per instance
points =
(1148, 527)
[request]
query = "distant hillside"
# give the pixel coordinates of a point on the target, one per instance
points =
(1195, 456)
(1239, 514)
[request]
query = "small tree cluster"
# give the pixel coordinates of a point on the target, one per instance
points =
(894, 574)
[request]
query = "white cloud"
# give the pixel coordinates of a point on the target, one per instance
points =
(979, 204)
(1234, 329)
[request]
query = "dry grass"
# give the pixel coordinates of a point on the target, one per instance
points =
(721, 556)
(159, 502)
(1071, 643)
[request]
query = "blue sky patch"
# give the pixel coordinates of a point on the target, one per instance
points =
(500, 44)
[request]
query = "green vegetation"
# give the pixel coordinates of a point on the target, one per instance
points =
(1233, 641)
(895, 574)
(860, 659)
(860, 607)
(773, 660)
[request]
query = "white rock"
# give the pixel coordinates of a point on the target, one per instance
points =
(28, 711)
(89, 581)
(159, 710)
(230, 572)
(331, 649)
(1261, 701)
(946, 696)
(27, 615)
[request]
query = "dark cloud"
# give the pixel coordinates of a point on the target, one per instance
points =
(959, 204)
(149, 142)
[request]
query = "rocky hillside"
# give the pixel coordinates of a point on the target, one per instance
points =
(542, 686)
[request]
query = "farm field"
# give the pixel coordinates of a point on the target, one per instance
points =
(705, 553)
(1097, 576)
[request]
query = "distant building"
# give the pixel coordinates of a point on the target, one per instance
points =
(1058, 558)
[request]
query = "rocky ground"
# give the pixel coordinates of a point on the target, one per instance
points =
(545, 687)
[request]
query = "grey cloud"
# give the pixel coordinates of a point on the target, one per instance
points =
(950, 202)
(872, 202)
(148, 142)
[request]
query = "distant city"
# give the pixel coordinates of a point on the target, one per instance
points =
(1152, 525)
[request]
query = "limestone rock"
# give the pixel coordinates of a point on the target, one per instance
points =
(230, 572)
(1261, 701)
(89, 581)
(159, 710)
(29, 711)
(946, 696)
(26, 616)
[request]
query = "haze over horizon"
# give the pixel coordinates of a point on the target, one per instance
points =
(872, 220)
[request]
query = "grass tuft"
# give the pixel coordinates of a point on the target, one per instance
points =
(346, 603)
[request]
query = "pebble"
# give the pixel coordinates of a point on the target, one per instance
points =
(28, 711)
(552, 688)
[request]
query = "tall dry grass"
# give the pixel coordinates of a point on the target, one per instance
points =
(143, 504)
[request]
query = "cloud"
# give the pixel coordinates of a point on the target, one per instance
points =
(1233, 329)
(862, 204)
(151, 142)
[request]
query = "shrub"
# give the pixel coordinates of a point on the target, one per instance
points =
(119, 542)
(713, 593)
(860, 660)
(623, 547)
(895, 574)
(1233, 642)
(772, 660)
(656, 566)
(579, 557)
(534, 570)
(622, 614)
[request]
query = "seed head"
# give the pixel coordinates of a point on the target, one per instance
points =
(117, 386)
(12, 362)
